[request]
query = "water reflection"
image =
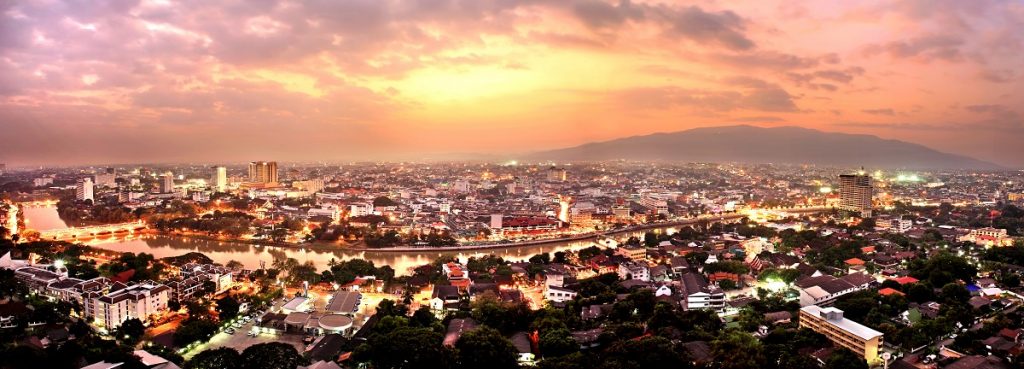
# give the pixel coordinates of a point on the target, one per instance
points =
(252, 255)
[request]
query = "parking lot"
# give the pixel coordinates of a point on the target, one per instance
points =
(241, 339)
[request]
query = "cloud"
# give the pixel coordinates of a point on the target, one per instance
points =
(724, 28)
(924, 48)
(750, 95)
(883, 111)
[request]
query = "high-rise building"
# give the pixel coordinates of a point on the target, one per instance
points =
(220, 179)
(855, 193)
(106, 178)
(263, 172)
(556, 174)
(83, 189)
(830, 322)
(167, 183)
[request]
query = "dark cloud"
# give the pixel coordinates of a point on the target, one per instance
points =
(600, 14)
(924, 48)
(723, 28)
(749, 94)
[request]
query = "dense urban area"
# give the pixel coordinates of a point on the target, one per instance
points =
(626, 265)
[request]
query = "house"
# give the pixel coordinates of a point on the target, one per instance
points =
(445, 297)
(524, 347)
(634, 270)
(825, 289)
(697, 294)
(559, 294)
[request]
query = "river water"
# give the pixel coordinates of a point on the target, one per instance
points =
(44, 218)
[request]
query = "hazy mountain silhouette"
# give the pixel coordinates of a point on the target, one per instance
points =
(749, 144)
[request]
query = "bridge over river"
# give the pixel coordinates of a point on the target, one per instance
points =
(75, 233)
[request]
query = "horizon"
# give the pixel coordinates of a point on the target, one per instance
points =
(157, 81)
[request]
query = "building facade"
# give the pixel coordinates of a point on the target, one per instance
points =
(843, 332)
(855, 191)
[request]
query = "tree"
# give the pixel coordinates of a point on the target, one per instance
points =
(843, 358)
(405, 348)
(227, 308)
(485, 347)
(131, 331)
(647, 353)
(192, 330)
(737, 350)
(557, 342)
(271, 355)
(218, 358)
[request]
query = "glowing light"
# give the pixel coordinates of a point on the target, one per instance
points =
(58, 263)
(775, 285)
(825, 189)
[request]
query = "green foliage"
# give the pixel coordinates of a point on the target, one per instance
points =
(557, 342)
(272, 355)
(405, 348)
(218, 358)
(227, 308)
(942, 268)
(843, 358)
(737, 350)
(647, 353)
(485, 347)
(131, 331)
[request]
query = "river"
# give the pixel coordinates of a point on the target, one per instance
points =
(252, 255)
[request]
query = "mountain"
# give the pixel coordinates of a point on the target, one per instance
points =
(749, 144)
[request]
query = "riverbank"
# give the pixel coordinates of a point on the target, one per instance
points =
(491, 246)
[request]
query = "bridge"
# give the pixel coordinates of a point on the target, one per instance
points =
(68, 234)
(37, 203)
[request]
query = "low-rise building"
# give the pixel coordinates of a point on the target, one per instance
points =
(843, 332)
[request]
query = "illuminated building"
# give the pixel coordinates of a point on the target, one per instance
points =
(220, 179)
(138, 301)
(556, 175)
(988, 237)
(83, 189)
(263, 172)
(855, 194)
(844, 332)
(167, 183)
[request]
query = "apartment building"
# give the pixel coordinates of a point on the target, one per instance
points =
(843, 332)
(124, 302)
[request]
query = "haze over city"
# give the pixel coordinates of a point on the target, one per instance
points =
(159, 81)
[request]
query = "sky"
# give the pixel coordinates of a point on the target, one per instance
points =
(120, 81)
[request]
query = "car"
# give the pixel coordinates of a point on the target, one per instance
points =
(230, 331)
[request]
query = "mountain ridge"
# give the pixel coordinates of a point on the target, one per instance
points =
(752, 144)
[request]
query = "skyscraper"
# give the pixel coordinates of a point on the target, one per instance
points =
(263, 172)
(167, 183)
(220, 179)
(855, 193)
(83, 189)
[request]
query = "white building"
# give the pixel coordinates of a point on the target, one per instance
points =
(83, 190)
(634, 270)
(220, 179)
(138, 301)
(559, 294)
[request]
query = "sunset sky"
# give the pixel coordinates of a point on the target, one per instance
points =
(226, 81)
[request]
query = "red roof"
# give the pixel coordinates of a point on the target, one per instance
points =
(906, 280)
(889, 291)
(854, 261)
(124, 276)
